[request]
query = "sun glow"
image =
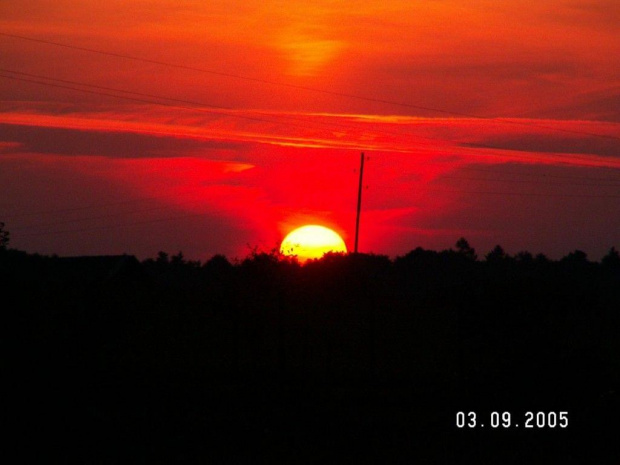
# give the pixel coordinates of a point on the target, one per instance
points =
(312, 241)
(307, 55)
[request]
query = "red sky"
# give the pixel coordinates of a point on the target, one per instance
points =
(236, 121)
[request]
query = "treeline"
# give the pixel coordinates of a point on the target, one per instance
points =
(461, 251)
(351, 358)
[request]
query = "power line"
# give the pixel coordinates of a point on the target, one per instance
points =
(306, 88)
(531, 181)
(134, 99)
(112, 89)
(158, 220)
(528, 194)
(431, 189)
(112, 215)
(108, 215)
(544, 175)
(99, 228)
(155, 198)
(233, 115)
(198, 106)
(226, 114)
(72, 209)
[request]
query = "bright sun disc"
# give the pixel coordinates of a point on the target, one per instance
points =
(312, 241)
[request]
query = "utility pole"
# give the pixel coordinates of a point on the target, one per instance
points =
(359, 203)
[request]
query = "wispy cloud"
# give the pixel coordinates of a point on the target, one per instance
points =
(154, 131)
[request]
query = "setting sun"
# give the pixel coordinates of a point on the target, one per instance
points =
(312, 241)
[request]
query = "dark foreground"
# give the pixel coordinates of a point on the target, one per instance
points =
(354, 359)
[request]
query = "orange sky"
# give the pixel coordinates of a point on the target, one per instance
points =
(497, 121)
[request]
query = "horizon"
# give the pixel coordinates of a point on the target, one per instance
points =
(212, 129)
(168, 257)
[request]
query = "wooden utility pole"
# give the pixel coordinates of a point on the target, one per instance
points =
(359, 203)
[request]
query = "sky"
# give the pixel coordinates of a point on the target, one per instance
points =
(218, 127)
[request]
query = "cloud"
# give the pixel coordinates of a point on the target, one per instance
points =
(68, 141)
(156, 131)
(601, 105)
(180, 179)
(501, 60)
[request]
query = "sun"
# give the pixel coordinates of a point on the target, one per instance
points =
(312, 241)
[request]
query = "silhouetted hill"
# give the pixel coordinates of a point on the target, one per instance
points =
(347, 359)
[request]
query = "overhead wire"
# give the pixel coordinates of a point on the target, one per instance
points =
(196, 105)
(99, 228)
(305, 88)
(531, 194)
(530, 181)
(73, 209)
(156, 198)
(171, 218)
(214, 109)
(108, 215)
(195, 215)
(543, 175)
(134, 99)
(140, 97)
(143, 100)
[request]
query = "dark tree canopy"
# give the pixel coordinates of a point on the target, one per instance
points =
(4, 237)
(357, 355)
(463, 247)
(612, 259)
(496, 255)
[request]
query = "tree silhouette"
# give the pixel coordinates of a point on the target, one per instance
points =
(524, 257)
(578, 257)
(496, 255)
(162, 258)
(541, 258)
(4, 237)
(182, 361)
(463, 247)
(218, 264)
(178, 259)
(611, 260)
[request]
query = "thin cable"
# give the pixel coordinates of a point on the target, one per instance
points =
(306, 88)
(226, 114)
(201, 106)
(528, 194)
(544, 175)
(108, 215)
(136, 99)
(88, 207)
(155, 198)
(528, 181)
(99, 228)
(112, 215)
(157, 220)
